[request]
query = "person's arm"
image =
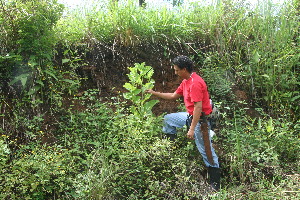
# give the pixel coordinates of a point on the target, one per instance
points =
(168, 96)
(196, 118)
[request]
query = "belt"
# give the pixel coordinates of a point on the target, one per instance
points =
(189, 116)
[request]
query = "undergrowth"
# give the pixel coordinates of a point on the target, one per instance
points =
(59, 142)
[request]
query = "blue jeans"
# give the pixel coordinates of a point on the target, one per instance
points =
(178, 120)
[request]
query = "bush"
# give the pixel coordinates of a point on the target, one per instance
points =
(37, 172)
(257, 148)
(87, 128)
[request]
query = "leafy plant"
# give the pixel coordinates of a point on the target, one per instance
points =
(140, 79)
(30, 24)
(36, 172)
(85, 130)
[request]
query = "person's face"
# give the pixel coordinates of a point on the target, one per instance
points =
(179, 72)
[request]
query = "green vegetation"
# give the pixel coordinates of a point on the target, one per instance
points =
(69, 131)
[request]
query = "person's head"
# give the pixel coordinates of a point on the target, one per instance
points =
(183, 62)
(183, 66)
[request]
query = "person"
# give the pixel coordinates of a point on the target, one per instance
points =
(194, 91)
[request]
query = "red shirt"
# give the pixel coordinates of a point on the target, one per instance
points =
(194, 90)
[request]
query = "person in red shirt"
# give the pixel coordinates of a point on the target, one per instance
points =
(194, 91)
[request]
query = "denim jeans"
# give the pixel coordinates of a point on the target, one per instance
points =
(178, 120)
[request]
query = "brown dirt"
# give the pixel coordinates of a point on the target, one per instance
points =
(108, 71)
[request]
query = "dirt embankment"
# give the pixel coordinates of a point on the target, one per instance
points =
(108, 67)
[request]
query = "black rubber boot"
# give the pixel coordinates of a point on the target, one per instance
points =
(171, 137)
(214, 177)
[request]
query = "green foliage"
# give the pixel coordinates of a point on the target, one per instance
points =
(140, 80)
(258, 147)
(36, 172)
(4, 152)
(85, 130)
(126, 24)
(264, 189)
(105, 154)
(107, 151)
(29, 26)
(21, 126)
(28, 51)
(266, 72)
(44, 83)
(217, 79)
(6, 67)
(147, 167)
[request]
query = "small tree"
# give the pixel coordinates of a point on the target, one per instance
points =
(140, 79)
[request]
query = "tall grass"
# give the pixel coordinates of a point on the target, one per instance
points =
(130, 23)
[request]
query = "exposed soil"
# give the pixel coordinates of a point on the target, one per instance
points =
(107, 71)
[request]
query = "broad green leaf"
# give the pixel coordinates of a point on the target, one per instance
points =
(34, 90)
(51, 74)
(295, 98)
(149, 105)
(13, 81)
(147, 86)
(256, 57)
(136, 99)
(269, 126)
(147, 96)
(70, 81)
(40, 82)
(139, 81)
(127, 95)
(22, 78)
(150, 73)
(259, 123)
(266, 75)
(32, 63)
(136, 91)
(48, 56)
(128, 86)
(65, 60)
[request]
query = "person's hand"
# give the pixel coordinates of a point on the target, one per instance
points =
(149, 91)
(190, 134)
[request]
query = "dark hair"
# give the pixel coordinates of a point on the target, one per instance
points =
(184, 62)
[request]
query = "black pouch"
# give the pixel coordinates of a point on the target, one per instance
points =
(188, 122)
